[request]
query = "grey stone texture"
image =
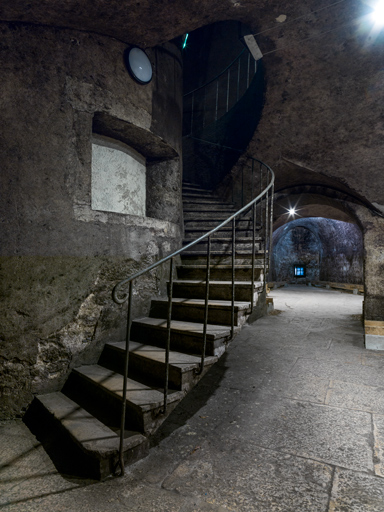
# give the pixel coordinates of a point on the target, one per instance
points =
(321, 120)
(59, 258)
(298, 246)
(332, 250)
(255, 434)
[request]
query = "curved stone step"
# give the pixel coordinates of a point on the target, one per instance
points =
(224, 251)
(98, 443)
(193, 310)
(200, 258)
(193, 233)
(219, 272)
(144, 403)
(222, 245)
(221, 290)
(150, 360)
(208, 215)
(185, 336)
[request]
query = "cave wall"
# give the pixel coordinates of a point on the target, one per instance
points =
(59, 259)
(343, 259)
(331, 250)
(297, 246)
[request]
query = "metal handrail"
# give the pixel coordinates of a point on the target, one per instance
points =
(217, 76)
(210, 101)
(120, 297)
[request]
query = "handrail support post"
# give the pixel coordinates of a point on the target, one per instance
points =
(168, 344)
(233, 277)
(206, 306)
(125, 380)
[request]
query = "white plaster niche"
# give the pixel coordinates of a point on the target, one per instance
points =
(118, 177)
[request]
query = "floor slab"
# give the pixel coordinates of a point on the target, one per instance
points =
(333, 436)
(356, 492)
(291, 419)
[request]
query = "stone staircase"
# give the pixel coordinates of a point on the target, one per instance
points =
(87, 410)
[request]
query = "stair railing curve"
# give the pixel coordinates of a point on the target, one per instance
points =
(227, 88)
(265, 202)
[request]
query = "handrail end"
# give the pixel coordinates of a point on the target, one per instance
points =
(115, 297)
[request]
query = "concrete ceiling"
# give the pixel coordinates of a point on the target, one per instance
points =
(323, 116)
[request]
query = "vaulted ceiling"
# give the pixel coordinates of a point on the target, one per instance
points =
(323, 118)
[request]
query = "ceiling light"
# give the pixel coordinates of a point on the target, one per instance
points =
(378, 13)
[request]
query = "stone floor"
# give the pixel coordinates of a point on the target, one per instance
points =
(290, 419)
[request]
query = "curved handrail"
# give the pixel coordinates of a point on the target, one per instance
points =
(216, 77)
(202, 237)
(267, 195)
(209, 102)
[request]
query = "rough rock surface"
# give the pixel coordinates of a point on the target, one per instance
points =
(59, 258)
(330, 249)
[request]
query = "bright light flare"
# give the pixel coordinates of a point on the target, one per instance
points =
(292, 211)
(378, 14)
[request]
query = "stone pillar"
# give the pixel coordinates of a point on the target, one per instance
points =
(374, 281)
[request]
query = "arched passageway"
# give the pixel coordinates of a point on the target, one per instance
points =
(325, 249)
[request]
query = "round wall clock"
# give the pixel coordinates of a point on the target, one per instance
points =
(138, 65)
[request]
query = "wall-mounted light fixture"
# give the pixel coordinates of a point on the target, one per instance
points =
(138, 65)
(250, 42)
(185, 41)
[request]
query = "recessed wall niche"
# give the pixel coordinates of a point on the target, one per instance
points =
(118, 177)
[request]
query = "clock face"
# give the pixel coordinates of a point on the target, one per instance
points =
(138, 65)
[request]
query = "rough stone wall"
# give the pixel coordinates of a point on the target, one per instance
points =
(343, 258)
(332, 250)
(373, 233)
(298, 246)
(59, 258)
(323, 99)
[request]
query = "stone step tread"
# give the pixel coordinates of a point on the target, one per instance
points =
(194, 188)
(204, 198)
(183, 362)
(194, 224)
(208, 208)
(214, 208)
(85, 429)
(202, 221)
(226, 240)
(191, 186)
(201, 201)
(213, 331)
(224, 228)
(188, 185)
(191, 252)
(200, 303)
(197, 194)
(207, 213)
(217, 283)
(219, 267)
(192, 234)
(213, 215)
(138, 394)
